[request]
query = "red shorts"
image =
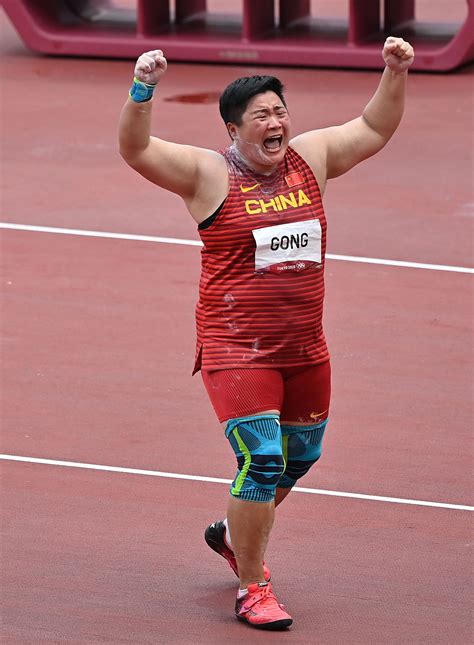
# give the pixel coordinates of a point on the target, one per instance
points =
(301, 394)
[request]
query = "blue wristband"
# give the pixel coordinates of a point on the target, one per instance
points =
(141, 92)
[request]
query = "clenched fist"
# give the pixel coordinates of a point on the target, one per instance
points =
(398, 54)
(150, 67)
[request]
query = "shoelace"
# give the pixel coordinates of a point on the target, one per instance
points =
(265, 593)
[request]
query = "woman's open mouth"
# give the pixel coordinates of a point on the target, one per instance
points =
(273, 144)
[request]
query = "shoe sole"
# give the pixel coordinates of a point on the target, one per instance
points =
(273, 626)
(215, 543)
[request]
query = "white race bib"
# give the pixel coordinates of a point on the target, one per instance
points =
(288, 247)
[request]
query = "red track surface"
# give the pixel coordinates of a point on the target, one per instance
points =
(97, 350)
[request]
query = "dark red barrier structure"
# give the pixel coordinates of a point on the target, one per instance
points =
(252, 34)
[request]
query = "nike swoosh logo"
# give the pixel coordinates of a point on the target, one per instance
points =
(245, 189)
(314, 415)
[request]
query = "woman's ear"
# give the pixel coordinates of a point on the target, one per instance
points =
(232, 130)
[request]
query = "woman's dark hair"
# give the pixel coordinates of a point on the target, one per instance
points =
(234, 99)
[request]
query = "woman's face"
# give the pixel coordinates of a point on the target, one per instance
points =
(262, 137)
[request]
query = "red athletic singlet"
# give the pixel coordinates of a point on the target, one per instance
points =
(262, 282)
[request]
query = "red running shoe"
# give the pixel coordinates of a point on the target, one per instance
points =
(214, 536)
(261, 609)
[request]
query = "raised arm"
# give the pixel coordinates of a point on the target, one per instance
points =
(197, 175)
(340, 148)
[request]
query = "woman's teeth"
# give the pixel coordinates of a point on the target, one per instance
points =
(272, 143)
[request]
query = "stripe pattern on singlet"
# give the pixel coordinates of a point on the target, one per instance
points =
(270, 317)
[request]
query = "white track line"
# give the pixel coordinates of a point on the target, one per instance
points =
(174, 240)
(113, 236)
(217, 480)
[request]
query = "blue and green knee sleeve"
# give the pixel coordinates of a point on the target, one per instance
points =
(257, 444)
(301, 449)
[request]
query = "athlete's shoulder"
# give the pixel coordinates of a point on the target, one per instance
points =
(313, 151)
(212, 185)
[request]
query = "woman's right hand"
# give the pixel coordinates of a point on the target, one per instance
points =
(150, 67)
